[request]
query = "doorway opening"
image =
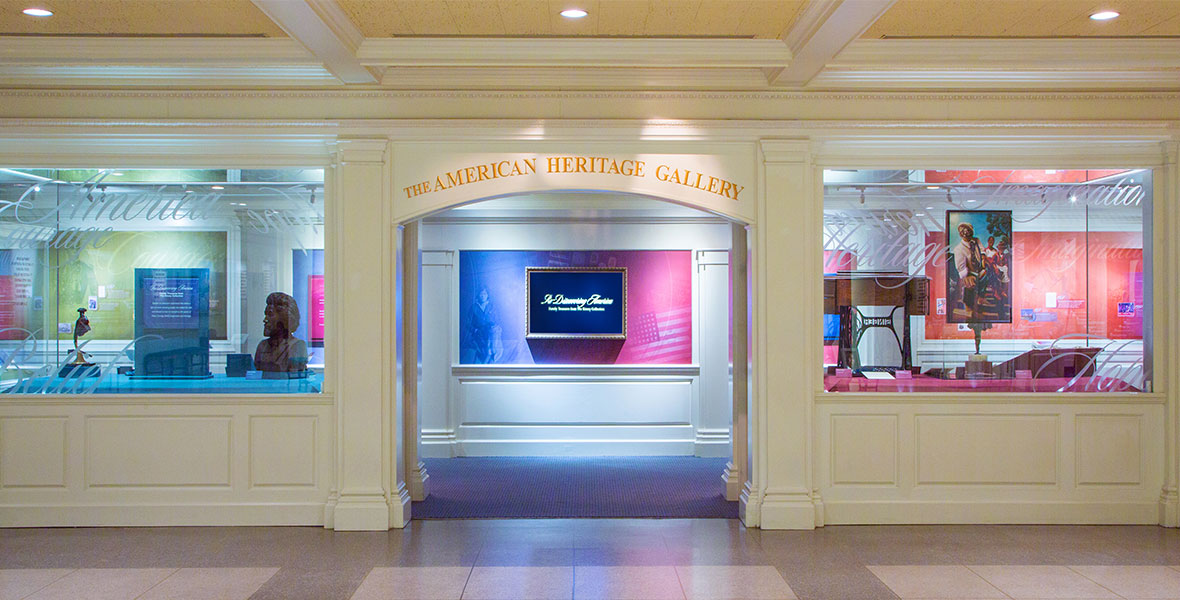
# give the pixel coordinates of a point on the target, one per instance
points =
(575, 359)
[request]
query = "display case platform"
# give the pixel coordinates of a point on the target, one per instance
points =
(113, 383)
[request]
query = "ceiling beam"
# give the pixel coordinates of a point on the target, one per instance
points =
(325, 30)
(820, 33)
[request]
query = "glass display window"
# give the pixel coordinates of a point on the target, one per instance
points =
(978, 281)
(161, 281)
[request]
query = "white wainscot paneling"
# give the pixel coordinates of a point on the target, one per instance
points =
(864, 449)
(283, 451)
(987, 449)
(33, 452)
(130, 451)
(606, 416)
(990, 459)
(1109, 449)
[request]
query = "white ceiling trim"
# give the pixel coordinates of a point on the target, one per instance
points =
(1078, 54)
(824, 29)
(45, 50)
(326, 31)
(585, 78)
(572, 52)
(166, 76)
(596, 65)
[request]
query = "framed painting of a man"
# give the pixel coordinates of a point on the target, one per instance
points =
(979, 266)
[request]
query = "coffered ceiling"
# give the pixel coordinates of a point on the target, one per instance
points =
(138, 18)
(1025, 19)
(620, 44)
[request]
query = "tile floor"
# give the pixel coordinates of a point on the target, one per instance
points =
(639, 559)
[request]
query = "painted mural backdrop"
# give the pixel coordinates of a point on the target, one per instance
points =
(1050, 293)
(492, 303)
(102, 279)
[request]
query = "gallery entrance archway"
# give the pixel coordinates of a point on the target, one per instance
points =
(492, 384)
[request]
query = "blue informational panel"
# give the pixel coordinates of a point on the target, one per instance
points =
(577, 303)
(172, 323)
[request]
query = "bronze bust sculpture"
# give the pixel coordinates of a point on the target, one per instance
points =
(281, 351)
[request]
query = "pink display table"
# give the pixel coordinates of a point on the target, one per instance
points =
(923, 383)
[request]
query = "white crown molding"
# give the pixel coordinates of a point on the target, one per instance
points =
(574, 52)
(1079, 54)
(582, 78)
(166, 76)
(248, 52)
(531, 66)
(1074, 63)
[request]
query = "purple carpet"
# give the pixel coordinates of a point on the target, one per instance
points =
(575, 487)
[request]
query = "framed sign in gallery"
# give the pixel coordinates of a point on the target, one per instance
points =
(576, 303)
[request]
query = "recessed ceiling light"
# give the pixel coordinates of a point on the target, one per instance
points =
(218, 187)
(573, 13)
(1104, 15)
(117, 174)
(933, 187)
(38, 12)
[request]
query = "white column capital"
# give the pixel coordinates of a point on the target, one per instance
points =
(790, 151)
(361, 150)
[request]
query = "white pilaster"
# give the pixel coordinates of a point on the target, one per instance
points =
(362, 268)
(788, 308)
(416, 476)
(1165, 220)
(737, 471)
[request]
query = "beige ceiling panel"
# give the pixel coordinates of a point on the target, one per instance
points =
(951, 18)
(1171, 27)
(525, 17)
(769, 19)
(426, 17)
(376, 18)
(1023, 18)
(588, 25)
(1135, 18)
(721, 18)
(623, 17)
(667, 18)
(475, 18)
(138, 18)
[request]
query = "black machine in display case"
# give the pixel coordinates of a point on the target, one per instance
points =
(866, 314)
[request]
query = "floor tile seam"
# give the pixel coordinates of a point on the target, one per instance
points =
(38, 590)
(162, 580)
(1071, 568)
(987, 581)
(683, 592)
(467, 581)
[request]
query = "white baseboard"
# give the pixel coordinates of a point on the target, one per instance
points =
(161, 515)
(712, 443)
(994, 513)
(437, 443)
(787, 511)
(575, 448)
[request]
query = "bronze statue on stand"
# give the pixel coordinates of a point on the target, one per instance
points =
(81, 328)
(281, 354)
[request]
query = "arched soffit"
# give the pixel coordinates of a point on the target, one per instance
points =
(559, 199)
(427, 180)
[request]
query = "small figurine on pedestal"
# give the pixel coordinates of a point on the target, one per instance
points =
(977, 364)
(81, 328)
(281, 355)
